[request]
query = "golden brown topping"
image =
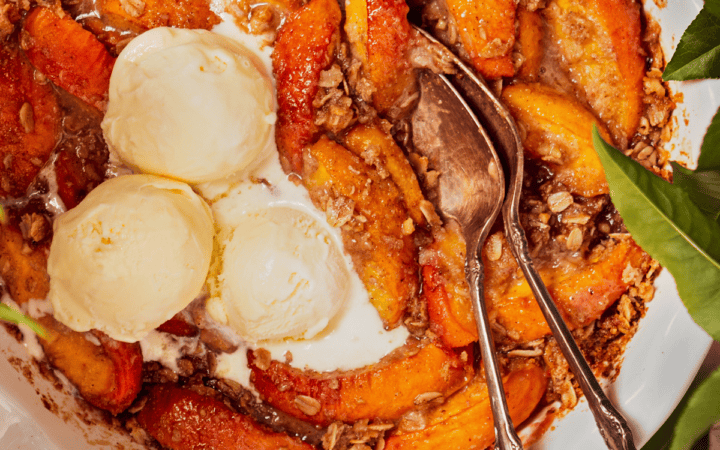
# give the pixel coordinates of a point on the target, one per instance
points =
(526, 353)
(427, 397)
(408, 227)
(307, 405)
(27, 119)
(559, 201)
(262, 359)
(574, 240)
(134, 8)
(494, 247)
(34, 227)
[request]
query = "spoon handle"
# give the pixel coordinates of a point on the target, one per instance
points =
(505, 436)
(612, 425)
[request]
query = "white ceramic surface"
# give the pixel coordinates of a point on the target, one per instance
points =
(660, 362)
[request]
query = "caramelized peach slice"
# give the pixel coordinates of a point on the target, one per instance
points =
(601, 42)
(179, 326)
(108, 375)
(445, 290)
(23, 268)
(379, 33)
(303, 48)
(581, 290)
(181, 419)
(530, 40)
(380, 150)
(73, 185)
(356, 28)
(81, 158)
(146, 14)
(371, 214)
(465, 421)
(29, 122)
(487, 32)
(382, 391)
(69, 55)
(559, 132)
(262, 16)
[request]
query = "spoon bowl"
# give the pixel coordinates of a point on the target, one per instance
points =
(449, 135)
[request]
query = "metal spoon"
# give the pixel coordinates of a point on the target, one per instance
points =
(471, 191)
(500, 125)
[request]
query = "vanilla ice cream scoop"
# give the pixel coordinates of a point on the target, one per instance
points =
(188, 104)
(132, 254)
(280, 275)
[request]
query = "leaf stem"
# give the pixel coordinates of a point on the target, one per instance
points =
(9, 314)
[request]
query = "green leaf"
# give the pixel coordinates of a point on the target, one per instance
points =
(10, 315)
(671, 228)
(698, 52)
(713, 6)
(710, 150)
(699, 414)
(703, 187)
(3, 216)
(703, 184)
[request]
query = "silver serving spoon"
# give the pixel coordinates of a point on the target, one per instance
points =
(501, 128)
(470, 191)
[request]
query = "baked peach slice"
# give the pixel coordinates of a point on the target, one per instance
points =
(379, 35)
(146, 14)
(73, 177)
(304, 47)
(601, 42)
(380, 150)
(487, 32)
(530, 42)
(22, 267)
(465, 421)
(582, 290)
(371, 215)
(445, 289)
(108, 374)
(181, 419)
(558, 131)
(384, 390)
(179, 326)
(29, 122)
(70, 56)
